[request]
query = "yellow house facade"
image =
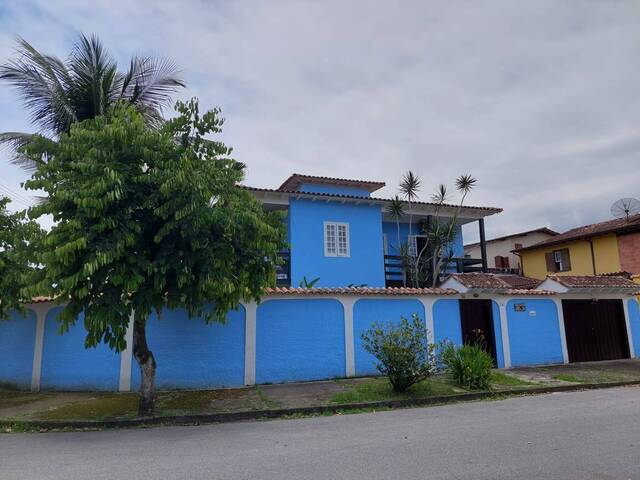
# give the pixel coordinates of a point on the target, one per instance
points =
(601, 248)
(586, 257)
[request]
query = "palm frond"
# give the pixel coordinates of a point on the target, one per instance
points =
(410, 186)
(464, 183)
(149, 84)
(16, 141)
(396, 208)
(441, 194)
(94, 72)
(42, 82)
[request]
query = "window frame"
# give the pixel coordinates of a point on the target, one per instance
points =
(558, 260)
(337, 246)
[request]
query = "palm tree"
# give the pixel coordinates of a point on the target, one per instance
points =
(396, 209)
(409, 188)
(60, 93)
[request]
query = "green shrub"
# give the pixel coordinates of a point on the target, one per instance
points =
(404, 354)
(469, 365)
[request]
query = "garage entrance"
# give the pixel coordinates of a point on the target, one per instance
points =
(595, 330)
(476, 317)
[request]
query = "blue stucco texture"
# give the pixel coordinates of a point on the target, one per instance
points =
(446, 321)
(495, 310)
(68, 365)
(299, 340)
(17, 341)
(367, 312)
(534, 339)
(193, 354)
(365, 265)
(634, 321)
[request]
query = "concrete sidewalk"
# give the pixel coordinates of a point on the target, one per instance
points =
(69, 406)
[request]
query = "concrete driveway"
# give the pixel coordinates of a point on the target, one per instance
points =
(579, 435)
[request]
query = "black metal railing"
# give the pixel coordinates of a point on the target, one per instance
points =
(395, 275)
(283, 269)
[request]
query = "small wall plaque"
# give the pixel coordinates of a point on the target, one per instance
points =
(520, 307)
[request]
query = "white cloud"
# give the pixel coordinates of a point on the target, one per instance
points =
(539, 100)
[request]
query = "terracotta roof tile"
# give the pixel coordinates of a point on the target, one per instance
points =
(618, 225)
(372, 199)
(495, 281)
(296, 179)
(594, 281)
(519, 281)
(364, 291)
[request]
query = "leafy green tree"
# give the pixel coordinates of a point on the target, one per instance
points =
(403, 351)
(148, 219)
(17, 238)
(60, 93)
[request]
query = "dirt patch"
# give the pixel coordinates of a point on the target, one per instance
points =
(18, 404)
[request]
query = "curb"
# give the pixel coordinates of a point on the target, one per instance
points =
(314, 410)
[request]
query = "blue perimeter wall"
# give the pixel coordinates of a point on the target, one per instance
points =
(17, 343)
(193, 354)
(534, 340)
(299, 340)
(296, 339)
(368, 312)
(306, 235)
(67, 365)
(634, 320)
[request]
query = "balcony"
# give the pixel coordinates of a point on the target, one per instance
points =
(395, 275)
(283, 269)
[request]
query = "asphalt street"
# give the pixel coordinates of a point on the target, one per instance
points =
(579, 435)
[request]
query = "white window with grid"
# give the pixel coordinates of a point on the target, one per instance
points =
(336, 239)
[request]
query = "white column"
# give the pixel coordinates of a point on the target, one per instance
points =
(126, 358)
(563, 335)
(504, 331)
(250, 312)
(427, 303)
(40, 310)
(627, 322)
(349, 345)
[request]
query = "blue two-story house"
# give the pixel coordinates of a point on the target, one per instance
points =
(342, 235)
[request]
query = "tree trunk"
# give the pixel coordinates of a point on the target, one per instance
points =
(147, 364)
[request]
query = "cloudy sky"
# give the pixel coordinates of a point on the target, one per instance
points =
(538, 100)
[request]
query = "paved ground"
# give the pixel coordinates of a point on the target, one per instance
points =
(579, 435)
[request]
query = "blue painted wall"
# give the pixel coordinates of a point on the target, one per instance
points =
(335, 189)
(634, 320)
(67, 365)
(299, 340)
(495, 310)
(534, 340)
(366, 263)
(446, 321)
(17, 341)
(193, 354)
(367, 312)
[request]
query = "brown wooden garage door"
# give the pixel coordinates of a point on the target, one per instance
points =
(595, 330)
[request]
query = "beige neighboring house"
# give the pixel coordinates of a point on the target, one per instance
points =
(500, 254)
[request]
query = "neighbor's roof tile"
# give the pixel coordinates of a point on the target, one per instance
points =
(618, 225)
(594, 281)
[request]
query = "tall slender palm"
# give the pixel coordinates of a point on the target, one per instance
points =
(409, 188)
(396, 209)
(59, 93)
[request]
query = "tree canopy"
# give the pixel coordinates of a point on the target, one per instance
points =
(18, 236)
(147, 219)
